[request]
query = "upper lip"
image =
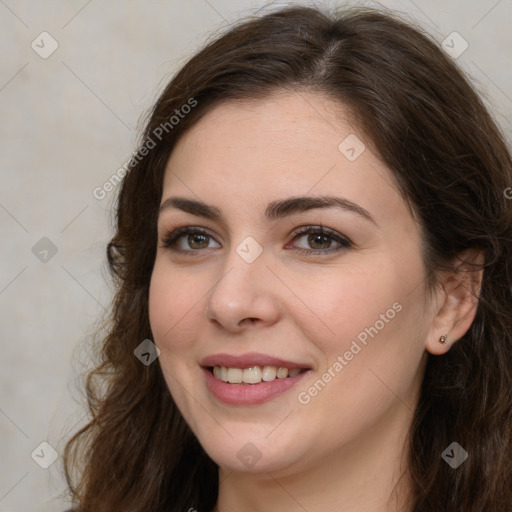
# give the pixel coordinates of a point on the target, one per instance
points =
(249, 359)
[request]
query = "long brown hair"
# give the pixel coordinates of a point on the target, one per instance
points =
(429, 126)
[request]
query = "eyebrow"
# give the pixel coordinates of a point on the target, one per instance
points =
(275, 210)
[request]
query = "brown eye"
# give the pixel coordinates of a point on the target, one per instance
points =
(319, 240)
(188, 239)
(197, 241)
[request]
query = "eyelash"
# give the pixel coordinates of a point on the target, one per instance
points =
(171, 238)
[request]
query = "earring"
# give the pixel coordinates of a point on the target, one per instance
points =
(443, 338)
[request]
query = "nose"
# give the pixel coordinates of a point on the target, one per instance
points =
(246, 294)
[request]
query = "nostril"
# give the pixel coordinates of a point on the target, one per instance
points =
(248, 321)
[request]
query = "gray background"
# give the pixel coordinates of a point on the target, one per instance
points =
(68, 123)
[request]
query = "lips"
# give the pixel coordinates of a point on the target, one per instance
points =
(243, 394)
(248, 360)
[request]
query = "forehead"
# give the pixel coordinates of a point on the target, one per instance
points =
(286, 145)
(283, 126)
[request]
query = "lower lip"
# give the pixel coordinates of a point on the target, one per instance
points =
(249, 394)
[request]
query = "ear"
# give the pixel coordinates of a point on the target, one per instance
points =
(457, 301)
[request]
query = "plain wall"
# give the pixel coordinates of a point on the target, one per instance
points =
(68, 123)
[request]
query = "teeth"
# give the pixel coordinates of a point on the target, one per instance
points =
(223, 373)
(282, 373)
(269, 373)
(254, 374)
(235, 375)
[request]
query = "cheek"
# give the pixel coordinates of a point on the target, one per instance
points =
(172, 306)
(371, 317)
(173, 303)
(340, 304)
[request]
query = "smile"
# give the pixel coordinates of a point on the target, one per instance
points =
(254, 374)
(250, 378)
(244, 393)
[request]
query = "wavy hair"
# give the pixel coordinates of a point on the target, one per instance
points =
(452, 164)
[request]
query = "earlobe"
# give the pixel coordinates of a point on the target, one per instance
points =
(459, 298)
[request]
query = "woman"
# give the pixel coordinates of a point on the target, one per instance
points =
(313, 268)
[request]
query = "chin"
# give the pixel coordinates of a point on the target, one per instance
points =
(251, 453)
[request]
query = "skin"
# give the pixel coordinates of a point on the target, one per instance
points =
(346, 448)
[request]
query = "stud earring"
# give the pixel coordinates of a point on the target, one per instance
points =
(443, 338)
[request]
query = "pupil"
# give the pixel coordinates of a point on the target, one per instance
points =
(316, 238)
(194, 237)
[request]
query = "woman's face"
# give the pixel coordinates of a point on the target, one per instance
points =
(258, 287)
